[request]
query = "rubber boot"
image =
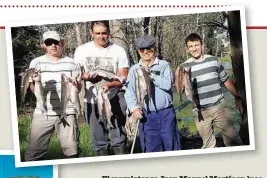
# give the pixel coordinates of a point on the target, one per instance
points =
(102, 152)
(119, 150)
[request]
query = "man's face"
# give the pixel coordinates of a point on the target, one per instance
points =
(195, 49)
(100, 35)
(147, 54)
(53, 47)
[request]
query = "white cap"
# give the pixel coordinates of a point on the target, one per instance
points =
(51, 35)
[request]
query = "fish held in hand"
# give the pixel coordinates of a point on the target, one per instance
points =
(70, 92)
(82, 90)
(25, 82)
(104, 107)
(65, 96)
(40, 94)
(74, 94)
(106, 74)
(142, 86)
(187, 85)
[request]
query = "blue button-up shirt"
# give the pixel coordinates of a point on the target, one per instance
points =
(161, 86)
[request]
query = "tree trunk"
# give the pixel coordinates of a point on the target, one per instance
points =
(160, 38)
(238, 68)
(136, 56)
(146, 25)
(78, 34)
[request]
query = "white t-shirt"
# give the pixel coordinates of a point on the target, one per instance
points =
(50, 72)
(110, 58)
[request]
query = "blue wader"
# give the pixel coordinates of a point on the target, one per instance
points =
(159, 131)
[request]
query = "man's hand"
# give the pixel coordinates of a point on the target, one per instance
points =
(35, 74)
(146, 69)
(106, 87)
(137, 113)
(94, 78)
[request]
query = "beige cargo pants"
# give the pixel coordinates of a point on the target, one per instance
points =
(41, 131)
(220, 117)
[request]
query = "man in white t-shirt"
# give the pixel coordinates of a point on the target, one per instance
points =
(51, 66)
(102, 54)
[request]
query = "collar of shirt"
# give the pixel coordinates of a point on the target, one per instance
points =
(155, 62)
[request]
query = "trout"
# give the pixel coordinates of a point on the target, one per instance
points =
(181, 83)
(185, 84)
(104, 107)
(74, 93)
(25, 77)
(188, 86)
(70, 92)
(106, 74)
(40, 94)
(65, 96)
(142, 86)
(82, 91)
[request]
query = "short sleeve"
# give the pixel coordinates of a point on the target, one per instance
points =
(222, 73)
(123, 59)
(33, 64)
(79, 56)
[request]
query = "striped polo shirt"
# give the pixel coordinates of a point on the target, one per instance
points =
(50, 72)
(207, 77)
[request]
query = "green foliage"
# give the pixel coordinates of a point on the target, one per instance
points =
(225, 59)
(26, 46)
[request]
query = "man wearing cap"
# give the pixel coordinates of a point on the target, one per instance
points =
(104, 55)
(158, 128)
(51, 66)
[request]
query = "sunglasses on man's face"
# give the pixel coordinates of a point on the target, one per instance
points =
(50, 42)
(148, 50)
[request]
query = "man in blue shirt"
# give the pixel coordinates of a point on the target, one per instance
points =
(158, 127)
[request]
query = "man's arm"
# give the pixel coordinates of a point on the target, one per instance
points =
(230, 86)
(130, 95)
(224, 77)
(123, 73)
(116, 83)
(123, 69)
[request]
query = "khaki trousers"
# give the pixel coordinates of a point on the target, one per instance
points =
(41, 131)
(219, 116)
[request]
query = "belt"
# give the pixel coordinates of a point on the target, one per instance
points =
(170, 106)
(214, 105)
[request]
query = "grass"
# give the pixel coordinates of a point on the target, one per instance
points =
(54, 150)
(186, 126)
(186, 123)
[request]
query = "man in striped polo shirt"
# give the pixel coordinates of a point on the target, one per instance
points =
(207, 76)
(51, 66)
